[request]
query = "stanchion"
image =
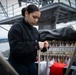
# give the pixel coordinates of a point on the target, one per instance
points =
(73, 58)
(39, 62)
(46, 63)
(7, 66)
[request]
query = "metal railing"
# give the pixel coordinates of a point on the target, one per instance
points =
(7, 66)
(15, 9)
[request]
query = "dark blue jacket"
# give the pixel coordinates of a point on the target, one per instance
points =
(23, 40)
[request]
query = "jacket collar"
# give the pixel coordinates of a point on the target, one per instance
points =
(26, 23)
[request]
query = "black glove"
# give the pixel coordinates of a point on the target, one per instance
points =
(44, 49)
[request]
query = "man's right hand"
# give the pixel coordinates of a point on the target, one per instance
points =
(44, 44)
(41, 45)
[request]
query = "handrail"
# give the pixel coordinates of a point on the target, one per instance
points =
(15, 10)
(7, 66)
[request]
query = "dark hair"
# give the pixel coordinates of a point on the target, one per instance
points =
(30, 9)
(23, 11)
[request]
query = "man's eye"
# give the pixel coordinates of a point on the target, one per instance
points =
(34, 17)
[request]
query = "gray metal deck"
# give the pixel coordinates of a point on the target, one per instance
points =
(51, 14)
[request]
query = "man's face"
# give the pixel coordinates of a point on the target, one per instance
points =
(32, 18)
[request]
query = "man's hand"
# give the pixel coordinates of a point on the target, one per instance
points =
(46, 44)
(43, 44)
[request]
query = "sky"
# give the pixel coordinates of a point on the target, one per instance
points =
(4, 33)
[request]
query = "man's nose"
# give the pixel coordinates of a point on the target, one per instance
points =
(36, 20)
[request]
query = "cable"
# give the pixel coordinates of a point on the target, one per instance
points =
(4, 28)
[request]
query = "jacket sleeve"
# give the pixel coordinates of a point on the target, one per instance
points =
(17, 46)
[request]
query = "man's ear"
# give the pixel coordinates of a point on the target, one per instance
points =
(26, 13)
